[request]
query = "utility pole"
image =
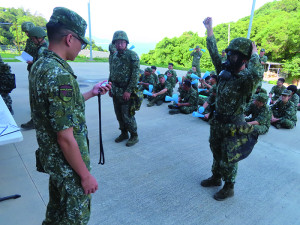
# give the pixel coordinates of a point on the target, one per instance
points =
(251, 19)
(18, 44)
(228, 34)
(90, 32)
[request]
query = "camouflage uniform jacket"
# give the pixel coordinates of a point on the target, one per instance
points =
(31, 48)
(196, 58)
(173, 79)
(155, 76)
(40, 49)
(56, 104)
(190, 96)
(277, 91)
(284, 111)
(158, 87)
(124, 72)
(262, 114)
(223, 58)
(234, 94)
(148, 79)
(263, 58)
(295, 99)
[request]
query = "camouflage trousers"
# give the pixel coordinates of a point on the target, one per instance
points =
(288, 124)
(125, 118)
(157, 98)
(221, 167)
(261, 129)
(7, 99)
(67, 202)
(187, 109)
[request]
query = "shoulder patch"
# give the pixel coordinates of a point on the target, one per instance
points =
(65, 92)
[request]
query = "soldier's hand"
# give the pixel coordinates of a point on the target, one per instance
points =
(101, 88)
(254, 48)
(89, 184)
(208, 22)
(126, 96)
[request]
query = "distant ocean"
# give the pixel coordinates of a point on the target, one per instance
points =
(140, 48)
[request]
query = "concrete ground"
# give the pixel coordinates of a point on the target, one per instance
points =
(157, 181)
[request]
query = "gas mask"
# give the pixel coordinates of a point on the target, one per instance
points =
(233, 63)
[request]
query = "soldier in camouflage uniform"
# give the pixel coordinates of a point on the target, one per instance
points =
(160, 91)
(260, 114)
(263, 58)
(294, 97)
(277, 90)
(196, 54)
(223, 56)
(57, 108)
(284, 112)
(124, 75)
(154, 73)
(231, 138)
(7, 84)
(30, 47)
(37, 35)
(147, 79)
(112, 49)
(187, 101)
(172, 76)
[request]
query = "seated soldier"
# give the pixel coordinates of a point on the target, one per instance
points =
(209, 104)
(172, 76)
(146, 79)
(277, 90)
(260, 114)
(284, 112)
(210, 87)
(154, 73)
(204, 86)
(294, 97)
(160, 91)
(188, 77)
(187, 101)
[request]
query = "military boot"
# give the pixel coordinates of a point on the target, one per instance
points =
(212, 181)
(123, 136)
(225, 192)
(150, 104)
(29, 125)
(132, 140)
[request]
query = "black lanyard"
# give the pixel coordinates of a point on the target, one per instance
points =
(102, 159)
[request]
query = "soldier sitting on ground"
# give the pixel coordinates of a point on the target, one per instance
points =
(160, 91)
(147, 79)
(284, 112)
(172, 76)
(154, 73)
(277, 90)
(260, 114)
(294, 97)
(187, 101)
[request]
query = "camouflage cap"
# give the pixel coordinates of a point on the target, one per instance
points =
(197, 47)
(148, 69)
(26, 26)
(190, 71)
(37, 32)
(286, 92)
(261, 97)
(242, 45)
(262, 50)
(161, 75)
(70, 20)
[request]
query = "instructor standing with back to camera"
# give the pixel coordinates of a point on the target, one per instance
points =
(231, 138)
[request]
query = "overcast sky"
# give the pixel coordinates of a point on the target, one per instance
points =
(145, 21)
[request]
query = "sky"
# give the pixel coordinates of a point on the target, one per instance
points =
(145, 21)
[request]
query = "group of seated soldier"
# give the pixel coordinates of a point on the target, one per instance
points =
(278, 109)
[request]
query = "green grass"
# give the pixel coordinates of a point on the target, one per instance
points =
(8, 55)
(87, 59)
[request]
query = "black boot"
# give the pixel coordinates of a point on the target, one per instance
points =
(123, 136)
(132, 140)
(28, 126)
(212, 181)
(226, 192)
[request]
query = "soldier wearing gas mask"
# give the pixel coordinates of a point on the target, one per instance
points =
(231, 138)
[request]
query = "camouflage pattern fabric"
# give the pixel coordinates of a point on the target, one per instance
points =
(155, 76)
(295, 99)
(57, 104)
(196, 60)
(173, 79)
(157, 88)
(223, 58)
(40, 50)
(287, 113)
(112, 49)
(150, 79)
(124, 76)
(277, 91)
(263, 58)
(262, 115)
(8, 101)
(191, 97)
(32, 50)
(228, 140)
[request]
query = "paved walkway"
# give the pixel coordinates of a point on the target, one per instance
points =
(157, 180)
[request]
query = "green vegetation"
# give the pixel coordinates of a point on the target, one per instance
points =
(275, 27)
(12, 35)
(86, 59)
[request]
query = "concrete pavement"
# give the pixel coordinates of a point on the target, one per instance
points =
(157, 181)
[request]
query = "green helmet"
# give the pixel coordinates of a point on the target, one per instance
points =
(120, 35)
(242, 45)
(37, 32)
(26, 26)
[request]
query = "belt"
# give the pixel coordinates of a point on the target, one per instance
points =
(234, 119)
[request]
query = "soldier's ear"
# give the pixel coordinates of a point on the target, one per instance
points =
(68, 39)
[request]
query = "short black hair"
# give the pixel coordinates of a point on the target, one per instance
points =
(292, 88)
(153, 67)
(56, 31)
(214, 77)
(281, 80)
(171, 64)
